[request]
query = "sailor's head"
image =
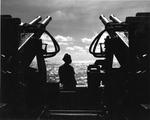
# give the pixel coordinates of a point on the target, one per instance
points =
(67, 58)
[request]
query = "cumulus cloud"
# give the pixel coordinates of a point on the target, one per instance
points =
(63, 43)
(76, 49)
(46, 39)
(87, 47)
(70, 48)
(63, 38)
(79, 48)
(88, 40)
(60, 39)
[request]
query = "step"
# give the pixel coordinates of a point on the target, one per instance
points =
(75, 111)
(71, 114)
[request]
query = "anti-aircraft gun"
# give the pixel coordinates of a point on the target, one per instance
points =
(129, 42)
(22, 85)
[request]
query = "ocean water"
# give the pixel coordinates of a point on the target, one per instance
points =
(79, 67)
(80, 73)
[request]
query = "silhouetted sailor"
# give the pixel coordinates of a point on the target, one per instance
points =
(66, 73)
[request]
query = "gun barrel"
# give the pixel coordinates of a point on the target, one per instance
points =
(47, 20)
(103, 19)
(36, 20)
(115, 19)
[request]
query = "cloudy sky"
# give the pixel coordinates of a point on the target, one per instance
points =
(74, 22)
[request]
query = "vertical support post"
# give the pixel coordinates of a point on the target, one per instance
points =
(41, 62)
(42, 71)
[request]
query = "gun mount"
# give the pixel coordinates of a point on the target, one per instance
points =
(103, 19)
(21, 43)
(115, 19)
(129, 42)
(36, 20)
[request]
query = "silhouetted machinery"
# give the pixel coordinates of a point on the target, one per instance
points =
(124, 87)
(129, 42)
(20, 44)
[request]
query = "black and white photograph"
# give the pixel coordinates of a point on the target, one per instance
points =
(75, 60)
